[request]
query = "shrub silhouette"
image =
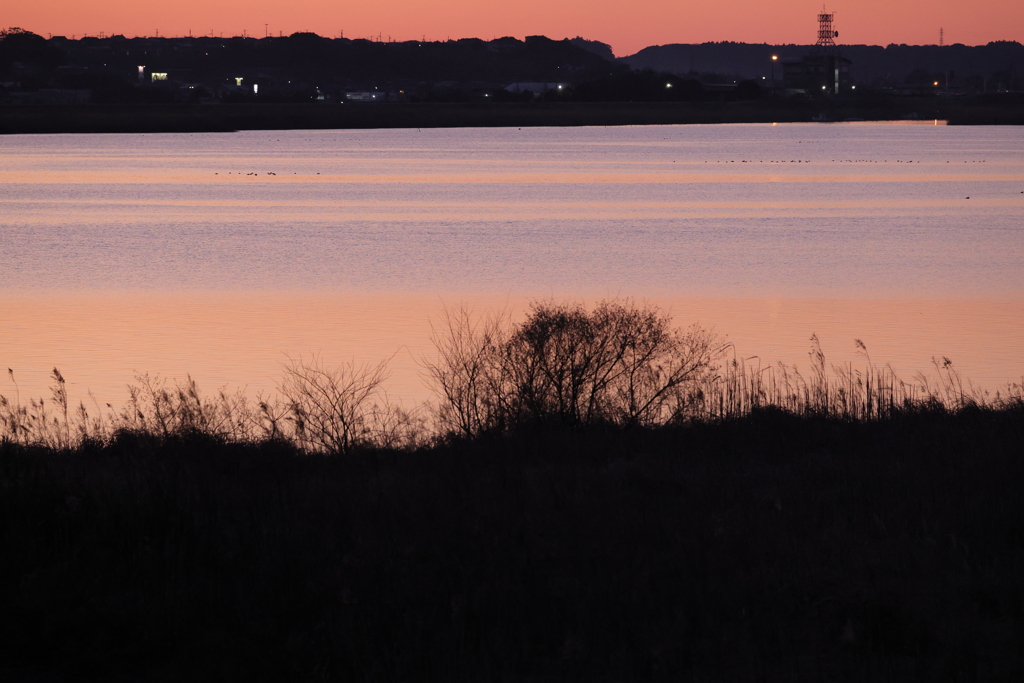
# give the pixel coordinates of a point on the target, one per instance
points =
(618, 363)
(336, 410)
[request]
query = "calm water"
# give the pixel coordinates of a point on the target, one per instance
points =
(218, 254)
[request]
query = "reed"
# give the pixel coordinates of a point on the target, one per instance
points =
(625, 365)
(759, 524)
(771, 547)
(617, 364)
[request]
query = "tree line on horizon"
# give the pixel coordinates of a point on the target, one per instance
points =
(305, 67)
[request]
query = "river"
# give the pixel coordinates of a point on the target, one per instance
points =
(221, 255)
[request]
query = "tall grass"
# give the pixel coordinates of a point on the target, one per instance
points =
(315, 409)
(625, 502)
(615, 364)
(627, 365)
(846, 391)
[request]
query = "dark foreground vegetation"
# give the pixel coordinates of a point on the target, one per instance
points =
(769, 547)
(585, 505)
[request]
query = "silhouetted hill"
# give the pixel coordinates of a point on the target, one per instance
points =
(603, 50)
(996, 64)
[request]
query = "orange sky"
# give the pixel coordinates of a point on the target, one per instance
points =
(627, 27)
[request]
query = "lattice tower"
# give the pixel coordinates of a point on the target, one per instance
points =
(826, 36)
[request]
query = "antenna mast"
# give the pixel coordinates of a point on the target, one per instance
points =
(826, 36)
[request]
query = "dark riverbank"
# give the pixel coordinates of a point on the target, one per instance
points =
(127, 118)
(770, 547)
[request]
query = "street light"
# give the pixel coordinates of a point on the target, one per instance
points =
(775, 58)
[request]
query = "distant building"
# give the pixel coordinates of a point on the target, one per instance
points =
(823, 71)
(816, 74)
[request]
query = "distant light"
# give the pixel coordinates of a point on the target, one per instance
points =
(559, 87)
(255, 88)
(822, 87)
(238, 81)
(775, 57)
(935, 83)
(142, 69)
(668, 85)
(853, 87)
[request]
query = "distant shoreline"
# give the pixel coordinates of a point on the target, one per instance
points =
(198, 118)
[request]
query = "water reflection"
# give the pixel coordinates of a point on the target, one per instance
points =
(217, 254)
(241, 339)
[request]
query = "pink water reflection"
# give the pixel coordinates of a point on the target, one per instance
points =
(241, 339)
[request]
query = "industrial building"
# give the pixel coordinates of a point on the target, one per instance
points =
(823, 71)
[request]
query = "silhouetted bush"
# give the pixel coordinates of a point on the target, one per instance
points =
(606, 498)
(616, 364)
(19, 45)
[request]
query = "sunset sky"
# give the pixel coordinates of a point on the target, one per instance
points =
(627, 27)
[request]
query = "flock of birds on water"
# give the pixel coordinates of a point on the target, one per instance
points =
(748, 161)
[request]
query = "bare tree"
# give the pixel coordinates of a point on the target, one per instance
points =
(335, 410)
(617, 363)
(467, 374)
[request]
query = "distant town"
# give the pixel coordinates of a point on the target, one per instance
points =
(305, 67)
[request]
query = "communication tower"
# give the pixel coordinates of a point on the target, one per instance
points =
(824, 70)
(826, 36)
(942, 35)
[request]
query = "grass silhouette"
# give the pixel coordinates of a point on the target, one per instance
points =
(617, 364)
(842, 525)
